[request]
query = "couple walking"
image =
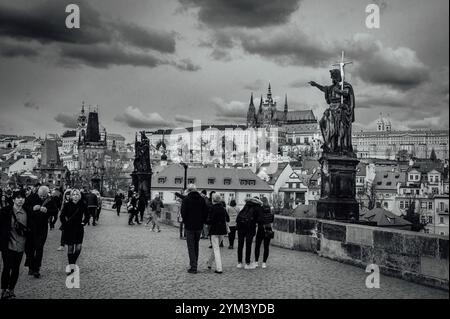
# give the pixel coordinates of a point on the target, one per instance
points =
(195, 213)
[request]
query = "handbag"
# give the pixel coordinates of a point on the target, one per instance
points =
(228, 228)
(70, 218)
(114, 206)
(269, 233)
(20, 228)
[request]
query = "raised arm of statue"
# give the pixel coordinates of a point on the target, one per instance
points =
(320, 87)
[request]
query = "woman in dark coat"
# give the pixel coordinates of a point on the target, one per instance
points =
(262, 235)
(13, 238)
(217, 222)
(73, 217)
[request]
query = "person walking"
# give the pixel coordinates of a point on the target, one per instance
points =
(37, 204)
(232, 213)
(74, 216)
(246, 228)
(142, 205)
(53, 208)
(99, 205)
(156, 206)
(118, 202)
(66, 199)
(92, 206)
(217, 221)
(133, 210)
(204, 194)
(264, 233)
(179, 199)
(194, 213)
(14, 234)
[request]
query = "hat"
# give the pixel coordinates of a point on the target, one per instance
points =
(191, 188)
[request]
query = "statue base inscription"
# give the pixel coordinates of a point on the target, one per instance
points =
(338, 188)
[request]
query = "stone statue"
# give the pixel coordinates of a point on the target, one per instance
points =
(142, 154)
(336, 123)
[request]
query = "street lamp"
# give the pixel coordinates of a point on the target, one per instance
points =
(185, 174)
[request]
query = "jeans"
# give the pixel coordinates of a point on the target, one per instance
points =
(260, 238)
(11, 266)
(52, 221)
(232, 235)
(133, 214)
(118, 209)
(141, 213)
(92, 212)
(245, 235)
(215, 253)
(155, 220)
(192, 241)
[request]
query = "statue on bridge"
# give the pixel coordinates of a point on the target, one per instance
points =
(336, 123)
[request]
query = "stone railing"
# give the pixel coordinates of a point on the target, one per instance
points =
(412, 256)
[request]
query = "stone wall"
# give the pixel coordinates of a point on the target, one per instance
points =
(412, 256)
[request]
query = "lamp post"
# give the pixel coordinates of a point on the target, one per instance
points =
(185, 174)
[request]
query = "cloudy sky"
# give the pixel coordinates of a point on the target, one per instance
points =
(161, 63)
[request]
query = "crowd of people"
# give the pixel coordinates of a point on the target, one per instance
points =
(26, 216)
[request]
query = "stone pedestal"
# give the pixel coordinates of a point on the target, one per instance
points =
(338, 188)
(142, 182)
(95, 181)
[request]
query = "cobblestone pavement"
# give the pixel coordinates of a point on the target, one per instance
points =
(121, 261)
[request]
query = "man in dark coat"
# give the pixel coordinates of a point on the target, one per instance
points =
(92, 205)
(194, 213)
(37, 204)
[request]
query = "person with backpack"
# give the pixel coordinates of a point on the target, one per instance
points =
(133, 210)
(246, 228)
(264, 233)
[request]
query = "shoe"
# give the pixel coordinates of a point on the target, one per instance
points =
(5, 294)
(159, 230)
(264, 265)
(218, 272)
(131, 224)
(94, 224)
(239, 265)
(30, 272)
(192, 271)
(37, 275)
(209, 267)
(210, 246)
(255, 264)
(60, 248)
(249, 266)
(11, 294)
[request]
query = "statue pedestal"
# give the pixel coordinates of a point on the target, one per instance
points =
(95, 181)
(142, 182)
(338, 188)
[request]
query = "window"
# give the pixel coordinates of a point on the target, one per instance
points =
(161, 195)
(248, 195)
(178, 180)
(385, 205)
(252, 182)
(306, 140)
(430, 205)
(388, 183)
(441, 206)
(191, 180)
(161, 180)
(24, 163)
(244, 182)
(227, 181)
(406, 204)
(441, 220)
(417, 192)
(423, 205)
(378, 205)
(211, 181)
(423, 219)
(430, 220)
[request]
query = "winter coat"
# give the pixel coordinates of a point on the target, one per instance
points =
(194, 211)
(6, 224)
(217, 220)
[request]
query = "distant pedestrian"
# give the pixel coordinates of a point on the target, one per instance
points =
(53, 208)
(133, 210)
(204, 194)
(14, 234)
(92, 206)
(194, 213)
(156, 205)
(99, 205)
(264, 233)
(179, 199)
(232, 213)
(246, 228)
(118, 201)
(73, 218)
(217, 221)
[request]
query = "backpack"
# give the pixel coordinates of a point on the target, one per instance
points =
(245, 216)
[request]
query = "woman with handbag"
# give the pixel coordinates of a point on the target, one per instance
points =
(73, 217)
(264, 232)
(13, 238)
(66, 199)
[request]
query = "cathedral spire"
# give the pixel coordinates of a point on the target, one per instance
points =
(261, 104)
(285, 104)
(269, 92)
(251, 100)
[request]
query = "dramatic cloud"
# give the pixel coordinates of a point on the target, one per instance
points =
(68, 121)
(134, 118)
(243, 13)
(233, 109)
(255, 86)
(100, 42)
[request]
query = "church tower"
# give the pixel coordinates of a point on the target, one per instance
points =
(82, 123)
(285, 108)
(251, 114)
